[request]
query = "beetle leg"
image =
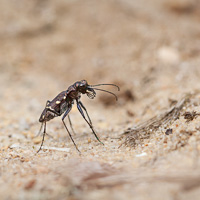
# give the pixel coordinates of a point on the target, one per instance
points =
(66, 113)
(48, 102)
(53, 111)
(70, 123)
(81, 111)
(40, 130)
(42, 137)
(44, 133)
(81, 104)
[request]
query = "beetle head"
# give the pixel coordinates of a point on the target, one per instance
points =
(84, 88)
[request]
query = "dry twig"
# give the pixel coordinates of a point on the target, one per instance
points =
(143, 131)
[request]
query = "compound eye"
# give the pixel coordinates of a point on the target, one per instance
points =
(82, 85)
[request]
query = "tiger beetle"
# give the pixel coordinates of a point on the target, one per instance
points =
(63, 102)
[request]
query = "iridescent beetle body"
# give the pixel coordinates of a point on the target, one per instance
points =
(63, 102)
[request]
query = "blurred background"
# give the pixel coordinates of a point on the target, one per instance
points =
(151, 49)
(144, 45)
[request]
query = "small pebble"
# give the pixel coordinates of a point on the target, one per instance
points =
(141, 155)
(169, 131)
(37, 140)
(30, 184)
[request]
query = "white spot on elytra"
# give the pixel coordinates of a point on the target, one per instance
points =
(57, 102)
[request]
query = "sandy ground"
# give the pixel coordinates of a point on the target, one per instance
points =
(151, 49)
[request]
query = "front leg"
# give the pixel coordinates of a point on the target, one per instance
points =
(81, 111)
(81, 104)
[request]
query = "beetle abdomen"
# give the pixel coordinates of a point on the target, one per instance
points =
(46, 115)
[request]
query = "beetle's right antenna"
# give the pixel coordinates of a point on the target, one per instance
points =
(106, 84)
